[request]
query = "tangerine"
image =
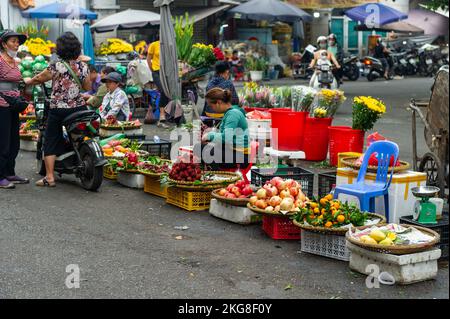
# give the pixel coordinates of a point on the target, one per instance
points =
(340, 218)
(328, 224)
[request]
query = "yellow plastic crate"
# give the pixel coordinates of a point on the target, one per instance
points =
(345, 154)
(109, 172)
(190, 201)
(153, 186)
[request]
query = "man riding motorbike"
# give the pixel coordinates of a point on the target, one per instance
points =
(382, 53)
(322, 44)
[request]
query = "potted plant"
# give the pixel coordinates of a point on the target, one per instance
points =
(256, 66)
(366, 111)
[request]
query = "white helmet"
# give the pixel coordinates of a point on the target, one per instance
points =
(321, 38)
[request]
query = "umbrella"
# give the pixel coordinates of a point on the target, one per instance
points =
(127, 19)
(59, 10)
(400, 27)
(375, 14)
(270, 10)
(88, 45)
(170, 80)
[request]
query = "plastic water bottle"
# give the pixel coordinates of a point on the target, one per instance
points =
(156, 139)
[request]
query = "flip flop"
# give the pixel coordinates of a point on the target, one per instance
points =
(45, 183)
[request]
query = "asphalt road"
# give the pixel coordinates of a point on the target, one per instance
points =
(126, 246)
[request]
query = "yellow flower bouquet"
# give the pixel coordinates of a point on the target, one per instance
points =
(366, 111)
(115, 46)
(327, 102)
(38, 46)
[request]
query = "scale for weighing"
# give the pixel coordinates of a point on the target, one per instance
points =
(424, 210)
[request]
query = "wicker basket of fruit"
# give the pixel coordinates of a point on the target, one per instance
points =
(393, 239)
(155, 167)
(237, 194)
(333, 217)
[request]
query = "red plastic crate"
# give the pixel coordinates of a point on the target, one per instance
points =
(280, 228)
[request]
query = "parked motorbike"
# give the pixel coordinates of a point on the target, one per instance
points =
(300, 66)
(82, 155)
(350, 67)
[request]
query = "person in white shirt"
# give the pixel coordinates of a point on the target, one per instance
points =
(115, 103)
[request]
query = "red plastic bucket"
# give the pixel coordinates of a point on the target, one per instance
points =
(344, 139)
(316, 138)
(288, 128)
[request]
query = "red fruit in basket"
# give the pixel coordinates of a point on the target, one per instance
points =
(293, 191)
(247, 190)
(230, 187)
(242, 196)
(236, 191)
(229, 195)
(223, 192)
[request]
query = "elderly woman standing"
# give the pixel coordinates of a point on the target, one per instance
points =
(9, 117)
(69, 77)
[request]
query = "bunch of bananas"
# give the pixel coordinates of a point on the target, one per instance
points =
(115, 46)
(38, 46)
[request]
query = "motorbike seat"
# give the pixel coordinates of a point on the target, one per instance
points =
(78, 116)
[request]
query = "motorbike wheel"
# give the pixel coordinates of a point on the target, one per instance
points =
(353, 73)
(371, 77)
(91, 176)
(432, 166)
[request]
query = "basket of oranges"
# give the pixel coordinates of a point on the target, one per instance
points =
(329, 215)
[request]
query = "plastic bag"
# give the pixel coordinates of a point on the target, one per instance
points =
(327, 100)
(143, 73)
(373, 160)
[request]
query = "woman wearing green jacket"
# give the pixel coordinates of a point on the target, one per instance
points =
(229, 146)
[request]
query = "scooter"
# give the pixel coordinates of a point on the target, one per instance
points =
(324, 78)
(373, 68)
(82, 155)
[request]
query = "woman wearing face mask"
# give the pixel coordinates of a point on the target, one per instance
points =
(9, 118)
(323, 43)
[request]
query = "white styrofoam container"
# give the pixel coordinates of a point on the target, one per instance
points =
(405, 269)
(234, 214)
(26, 145)
(259, 125)
(327, 245)
(132, 180)
(401, 199)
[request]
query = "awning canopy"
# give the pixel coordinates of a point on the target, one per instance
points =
(326, 4)
(59, 10)
(399, 27)
(201, 14)
(127, 19)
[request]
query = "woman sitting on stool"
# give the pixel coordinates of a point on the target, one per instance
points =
(229, 147)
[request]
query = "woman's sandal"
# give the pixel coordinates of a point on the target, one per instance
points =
(45, 183)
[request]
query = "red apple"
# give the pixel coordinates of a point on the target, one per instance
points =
(293, 191)
(284, 193)
(230, 187)
(222, 192)
(261, 204)
(275, 201)
(247, 190)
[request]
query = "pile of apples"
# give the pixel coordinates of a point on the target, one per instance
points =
(240, 189)
(279, 195)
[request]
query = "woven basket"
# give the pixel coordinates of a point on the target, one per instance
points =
(336, 231)
(398, 249)
(350, 162)
(262, 211)
(241, 202)
(120, 128)
(27, 117)
(206, 186)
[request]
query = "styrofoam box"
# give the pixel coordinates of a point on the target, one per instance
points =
(405, 269)
(234, 214)
(132, 180)
(401, 199)
(108, 133)
(30, 146)
(259, 125)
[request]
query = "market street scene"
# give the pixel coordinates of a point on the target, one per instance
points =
(220, 149)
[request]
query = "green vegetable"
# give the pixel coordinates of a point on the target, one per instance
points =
(26, 64)
(27, 74)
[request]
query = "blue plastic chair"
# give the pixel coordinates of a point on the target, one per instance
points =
(366, 193)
